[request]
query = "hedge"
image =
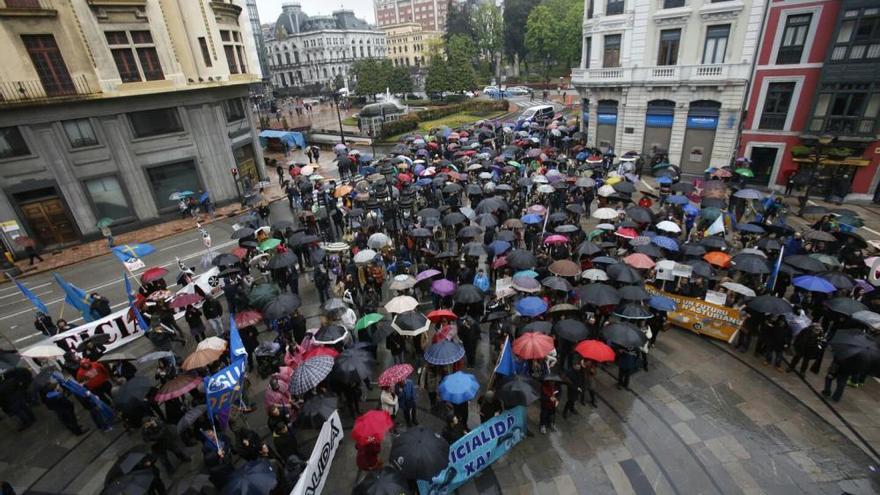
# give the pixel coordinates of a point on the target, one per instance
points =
(410, 122)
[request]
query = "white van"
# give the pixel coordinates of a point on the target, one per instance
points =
(538, 113)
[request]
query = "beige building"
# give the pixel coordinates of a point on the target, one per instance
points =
(107, 107)
(408, 44)
(430, 14)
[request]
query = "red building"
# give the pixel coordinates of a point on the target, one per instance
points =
(811, 80)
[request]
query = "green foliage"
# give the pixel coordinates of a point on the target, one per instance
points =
(515, 14)
(376, 75)
(460, 52)
(489, 27)
(553, 32)
(437, 78)
(459, 20)
(800, 151)
(411, 121)
(399, 80)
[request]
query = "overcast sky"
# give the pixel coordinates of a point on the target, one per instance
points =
(269, 9)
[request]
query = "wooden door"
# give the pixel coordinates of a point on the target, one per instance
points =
(49, 221)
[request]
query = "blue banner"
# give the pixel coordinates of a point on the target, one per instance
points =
(607, 118)
(702, 122)
(658, 120)
(478, 449)
(223, 387)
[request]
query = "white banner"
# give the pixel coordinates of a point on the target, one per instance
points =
(133, 264)
(311, 482)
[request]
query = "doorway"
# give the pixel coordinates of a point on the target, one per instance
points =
(46, 217)
(763, 160)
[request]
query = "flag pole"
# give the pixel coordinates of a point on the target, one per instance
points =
(497, 363)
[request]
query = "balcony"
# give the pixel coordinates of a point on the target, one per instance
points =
(661, 75)
(26, 92)
(27, 8)
(226, 12)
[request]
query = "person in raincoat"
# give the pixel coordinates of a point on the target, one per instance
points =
(481, 281)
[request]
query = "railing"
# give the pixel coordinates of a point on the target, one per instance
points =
(25, 91)
(662, 74)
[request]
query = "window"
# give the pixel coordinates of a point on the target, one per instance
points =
(847, 109)
(12, 143)
(167, 179)
(614, 7)
(235, 53)
(108, 198)
(79, 133)
(234, 109)
(206, 55)
(858, 37)
(671, 4)
(590, 9)
(135, 55)
(155, 122)
(611, 56)
(716, 44)
(49, 64)
(588, 49)
(794, 38)
(668, 53)
(776, 104)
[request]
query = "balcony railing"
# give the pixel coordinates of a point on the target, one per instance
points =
(33, 91)
(667, 74)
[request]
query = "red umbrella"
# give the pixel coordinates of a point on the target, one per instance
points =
(395, 375)
(178, 386)
(556, 239)
(371, 426)
(533, 345)
(153, 274)
(184, 300)
(240, 252)
(626, 233)
(639, 261)
(439, 315)
(294, 171)
(499, 262)
(248, 318)
(320, 351)
(595, 350)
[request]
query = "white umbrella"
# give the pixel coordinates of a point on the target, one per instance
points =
(365, 256)
(539, 179)
(43, 351)
(316, 177)
(485, 175)
(605, 226)
(546, 189)
(606, 191)
(378, 240)
(738, 288)
(669, 226)
(401, 304)
(402, 282)
(594, 274)
(334, 247)
(307, 170)
(215, 343)
(605, 213)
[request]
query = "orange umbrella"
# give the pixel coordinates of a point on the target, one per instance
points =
(639, 261)
(717, 258)
(342, 190)
(201, 358)
(533, 345)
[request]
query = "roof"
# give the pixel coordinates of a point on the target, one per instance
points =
(290, 137)
(375, 109)
(293, 20)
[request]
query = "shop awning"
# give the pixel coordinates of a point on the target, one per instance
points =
(849, 162)
(290, 137)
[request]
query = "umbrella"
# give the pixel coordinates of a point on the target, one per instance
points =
(544, 327)
(750, 228)
(623, 334)
(316, 410)
(468, 294)
(201, 358)
(598, 295)
(570, 330)
(282, 260)
(526, 284)
(128, 462)
(594, 274)
(439, 315)
(212, 342)
(633, 311)
(178, 386)
(443, 287)
(401, 304)
(693, 250)
(183, 300)
(419, 453)
(770, 305)
(519, 390)
(410, 323)
(868, 318)
(639, 261)
(248, 318)
(153, 356)
(395, 374)
(261, 294)
(839, 280)
(749, 194)
(633, 293)
(858, 350)
(353, 365)
(254, 478)
(531, 306)
(225, 259)
(605, 214)
(749, 263)
(425, 275)
(664, 242)
(331, 334)
(661, 303)
(131, 392)
(845, 305)
(557, 283)
(532, 345)
(137, 482)
(44, 351)
(813, 283)
(309, 374)
(520, 259)
(367, 320)
(563, 268)
(378, 240)
(269, 244)
(804, 263)
(153, 274)
(668, 226)
(281, 306)
(444, 353)
(190, 417)
(623, 273)
(640, 214)
(459, 387)
(388, 481)
(595, 350)
(738, 289)
(371, 426)
(365, 256)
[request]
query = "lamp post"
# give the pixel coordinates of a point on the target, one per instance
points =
(335, 95)
(823, 141)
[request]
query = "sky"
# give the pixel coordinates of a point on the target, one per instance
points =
(269, 9)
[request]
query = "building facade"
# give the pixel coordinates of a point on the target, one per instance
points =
(108, 107)
(409, 45)
(430, 14)
(667, 75)
(259, 40)
(816, 77)
(316, 53)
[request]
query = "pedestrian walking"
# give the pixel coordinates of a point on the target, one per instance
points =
(549, 403)
(53, 396)
(193, 318)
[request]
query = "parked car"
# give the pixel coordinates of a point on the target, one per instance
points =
(518, 90)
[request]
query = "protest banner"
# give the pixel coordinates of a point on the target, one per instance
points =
(702, 317)
(477, 450)
(504, 287)
(223, 387)
(312, 479)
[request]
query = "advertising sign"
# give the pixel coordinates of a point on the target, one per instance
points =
(312, 479)
(702, 317)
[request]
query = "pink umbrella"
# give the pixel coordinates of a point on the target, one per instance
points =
(556, 239)
(443, 287)
(499, 262)
(425, 275)
(626, 233)
(537, 209)
(639, 261)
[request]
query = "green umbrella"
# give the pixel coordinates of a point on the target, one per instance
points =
(745, 172)
(660, 165)
(262, 294)
(269, 244)
(368, 320)
(594, 233)
(513, 163)
(851, 221)
(710, 213)
(104, 222)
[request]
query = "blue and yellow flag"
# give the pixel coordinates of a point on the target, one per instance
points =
(236, 346)
(127, 251)
(128, 292)
(41, 307)
(76, 297)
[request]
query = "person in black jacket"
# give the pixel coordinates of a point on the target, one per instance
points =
(196, 326)
(575, 388)
(285, 442)
(806, 348)
(162, 440)
(99, 306)
(54, 398)
(213, 311)
(43, 324)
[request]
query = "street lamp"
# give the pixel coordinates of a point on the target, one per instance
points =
(335, 95)
(821, 142)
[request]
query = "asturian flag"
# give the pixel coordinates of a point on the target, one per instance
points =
(717, 226)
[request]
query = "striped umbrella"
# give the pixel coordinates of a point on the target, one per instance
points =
(310, 373)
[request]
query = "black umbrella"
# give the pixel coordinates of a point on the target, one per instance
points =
(316, 411)
(640, 214)
(190, 417)
(683, 187)
(566, 229)
(633, 293)
(97, 339)
(452, 188)
(713, 203)
(388, 481)
(133, 391)
(330, 334)
(193, 485)
(805, 263)
(845, 305)
(428, 212)
(633, 311)
(283, 305)
(134, 483)
(486, 220)
(467, 294)
(557, 283)
(380, 331)
(127, 462)
(598, 294)
(692, 250)
(419, 453)
(492, 204)
(519, 390)
(505, 235)
(229, 271)
(557, 217)
(421, 232)
(571, 330)
(454, 218)
(856, 350)
(750, 263)
(520, 259)
(624, 187)
(475, 249)
(769, 244)
(410, 323)
(587, 248)
(242, 233)
(851, 238)
(714, 242)
(497, 315)
(623, 334)
(538, 326)
(301, 239)
(839, 280)
(469, 232)
(282, 260)
(576, 208)
(649, 249)
(224, 259)
(254, 478)
(701, 268)
(623, 273)
(770, 305)
(352, 366)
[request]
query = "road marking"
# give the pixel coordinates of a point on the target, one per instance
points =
(646, 184)
(14, 287)
(166, 248)
(24, 299)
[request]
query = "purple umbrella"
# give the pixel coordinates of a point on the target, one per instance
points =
(443, 287)
(425, 275)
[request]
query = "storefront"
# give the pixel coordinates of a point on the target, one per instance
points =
(585, 115)
(45, 215)
(658, 127)
(699, 138)
(246, 163)
(606, 124)
(170, 178)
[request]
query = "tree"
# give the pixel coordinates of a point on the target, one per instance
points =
(399, 80)
(370, 76)
(437, 78)
(489, 31)
(459, 20)
(515, 14)
(552, 35)
(460, 53)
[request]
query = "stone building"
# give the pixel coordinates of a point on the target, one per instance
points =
(409, 45)
(430, 14)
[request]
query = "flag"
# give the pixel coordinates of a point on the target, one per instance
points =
(717, 226)
(506, 365)
(222, 389)
(236, 346)
(104, 413)
(128, 292)
(32, 297)
(139, 318)
(128, 251)
(76, 297)
(774, 274)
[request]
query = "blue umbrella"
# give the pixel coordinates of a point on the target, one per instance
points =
(424, 182)
(526, 273)
(367, 170)
(604, 259)
(661, 303)
(532, 218)
(690, 209)
(444, 353)
(664, 242)
(664, 180)
(459, 387)
(531, 306)
(813, 283)
(180, 195)
(499, 247)
(677, 199)
(204, 197)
